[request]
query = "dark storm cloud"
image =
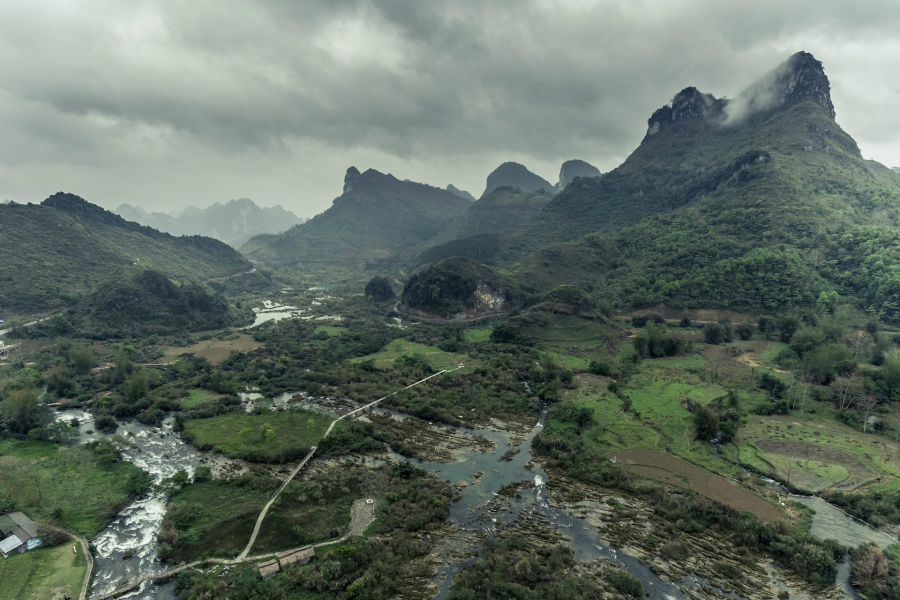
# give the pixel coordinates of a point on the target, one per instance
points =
(178, 92)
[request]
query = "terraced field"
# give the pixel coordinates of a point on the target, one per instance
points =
(817, 452)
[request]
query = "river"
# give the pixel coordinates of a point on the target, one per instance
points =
(128, 547)
(473, 511)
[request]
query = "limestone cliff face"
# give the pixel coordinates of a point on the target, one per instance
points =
(350, 177)
(488, 301)
(572, 169)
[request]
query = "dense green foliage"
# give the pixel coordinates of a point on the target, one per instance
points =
(53, 254)
(449, 286)
(379, 289)
(513, 569)
(141, 302)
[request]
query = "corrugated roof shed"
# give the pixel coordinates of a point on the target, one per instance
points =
(10, 544)
(300, 556)
(268, 568)
(27, 525)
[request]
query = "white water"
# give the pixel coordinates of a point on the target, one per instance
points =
(133, 533)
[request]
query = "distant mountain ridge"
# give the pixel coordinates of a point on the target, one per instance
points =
(55, 253)
(234, 222)
(376, 216)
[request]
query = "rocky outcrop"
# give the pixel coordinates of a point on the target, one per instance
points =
(799, 79)
(515, 176)
(572, 169)
(349, 178)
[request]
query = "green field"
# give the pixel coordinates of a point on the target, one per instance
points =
(212, 519)
(43, 574)
(478, 334)
(659, 418)
(437, 358)
(197, 397)
(67, 486)
(330, 330)
(241, 435)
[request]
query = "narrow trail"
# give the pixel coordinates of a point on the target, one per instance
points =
(296, 471)
(244, 556)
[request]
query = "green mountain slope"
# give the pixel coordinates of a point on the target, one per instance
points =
(376, 215)
(757, 203)
(54, 253)
(475, 234)
(138, 302)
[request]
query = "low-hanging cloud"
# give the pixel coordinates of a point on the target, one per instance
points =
(165, 103)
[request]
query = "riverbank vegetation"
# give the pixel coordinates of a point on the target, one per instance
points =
(78, 488)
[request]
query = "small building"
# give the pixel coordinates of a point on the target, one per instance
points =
(301, 556)
(18, 533)
(268, 569)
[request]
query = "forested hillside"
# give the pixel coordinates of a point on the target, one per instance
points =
(54, 253)
(759, 210)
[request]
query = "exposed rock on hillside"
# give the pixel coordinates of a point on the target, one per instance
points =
(456, 288)
(572, 169)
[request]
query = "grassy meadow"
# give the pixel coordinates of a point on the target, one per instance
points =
(70, 487)
(242, 435)
(43, 574)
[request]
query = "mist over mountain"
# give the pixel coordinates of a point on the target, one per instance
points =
(765, 191)
(461, 193)
(234, 222)
(895, 169)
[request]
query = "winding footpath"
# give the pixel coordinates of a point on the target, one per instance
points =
(243, 556)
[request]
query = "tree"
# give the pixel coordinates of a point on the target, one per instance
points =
(311, 424)
(137, 387)
(706, 423)
(267, 432)
(379, 289)
(23, 411)
(716, 333)
(869, 567)
(81, 357)
(845, 391)
(867, 405)
(745, 330)
(786, 326)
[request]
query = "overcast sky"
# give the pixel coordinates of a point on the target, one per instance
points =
(168, 103)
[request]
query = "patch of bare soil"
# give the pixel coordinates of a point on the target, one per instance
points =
(215, 351)
(655, 464)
